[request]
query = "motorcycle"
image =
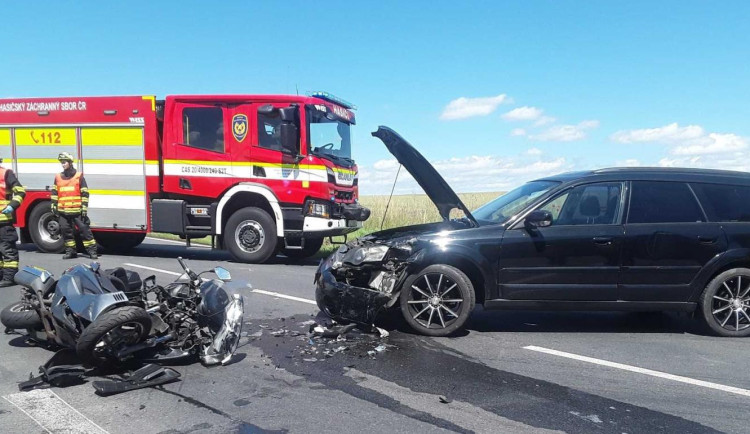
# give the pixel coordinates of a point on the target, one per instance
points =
(112, 315)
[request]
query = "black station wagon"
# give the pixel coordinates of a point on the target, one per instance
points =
(633, 239)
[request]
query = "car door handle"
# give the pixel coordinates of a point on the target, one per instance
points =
(707, 240)
(603, 241)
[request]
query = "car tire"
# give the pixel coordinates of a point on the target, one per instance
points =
(725, 303)
(312, 245)
(437, 301)
(44, 229)
(250, 235)
(20, 316)
(133, 319)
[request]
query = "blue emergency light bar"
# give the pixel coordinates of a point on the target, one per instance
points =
(334, 99)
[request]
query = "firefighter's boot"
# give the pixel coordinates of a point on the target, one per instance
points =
(8, 274)
(92, 252)
(70, 254)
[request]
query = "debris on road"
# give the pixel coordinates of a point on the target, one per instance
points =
(320, 341)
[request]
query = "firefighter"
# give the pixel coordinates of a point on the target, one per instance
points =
(70, 202)
(11, 197)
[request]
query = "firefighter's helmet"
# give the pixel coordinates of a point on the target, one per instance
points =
(65, 156)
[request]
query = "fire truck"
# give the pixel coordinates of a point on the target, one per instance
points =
(258, 173)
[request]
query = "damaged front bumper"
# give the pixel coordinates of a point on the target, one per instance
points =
(356, 292)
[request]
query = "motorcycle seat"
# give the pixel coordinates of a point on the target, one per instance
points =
(129, 281)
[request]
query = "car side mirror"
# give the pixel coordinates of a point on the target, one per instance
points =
(538, 219)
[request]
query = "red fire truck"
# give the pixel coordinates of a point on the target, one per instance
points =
(258, 173)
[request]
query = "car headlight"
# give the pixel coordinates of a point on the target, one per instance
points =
(366, 254)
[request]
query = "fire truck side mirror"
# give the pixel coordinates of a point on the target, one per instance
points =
(289, 138)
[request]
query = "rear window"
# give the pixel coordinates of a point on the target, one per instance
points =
(663, 202)
(724, 203)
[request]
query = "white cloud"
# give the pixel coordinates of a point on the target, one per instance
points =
(714, 143)
(669, 133)
(631, 162)
(472, 173)
(689, 140)
(518, 132)
(565, 133)
(544, 120)
(462, 108)
(534, 151)
(524, 113)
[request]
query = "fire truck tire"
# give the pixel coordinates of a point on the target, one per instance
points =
(250, 235)
(118, 242)
(44, 229)
(312, 245)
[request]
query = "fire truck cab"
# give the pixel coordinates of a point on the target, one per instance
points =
(258, 173)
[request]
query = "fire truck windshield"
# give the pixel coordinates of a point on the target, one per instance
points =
(330, 138)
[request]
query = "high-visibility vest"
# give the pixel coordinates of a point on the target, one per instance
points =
(68, 194)
(4, 199)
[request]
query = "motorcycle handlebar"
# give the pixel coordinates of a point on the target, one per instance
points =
(190, 274)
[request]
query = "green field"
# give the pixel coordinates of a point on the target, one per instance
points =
(403, 210)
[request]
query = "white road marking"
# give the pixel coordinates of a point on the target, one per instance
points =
(257, 291)
(678, 378)
(158, 270)
(52, 413)
(461, 413)
(288, 297)
(181, 243)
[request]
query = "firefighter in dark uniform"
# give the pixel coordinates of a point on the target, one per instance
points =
(11, 197)
(70, 202)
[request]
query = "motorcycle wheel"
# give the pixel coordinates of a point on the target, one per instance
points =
(119, 327)
(20, 315)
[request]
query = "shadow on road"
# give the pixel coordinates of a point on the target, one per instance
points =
(170, 251)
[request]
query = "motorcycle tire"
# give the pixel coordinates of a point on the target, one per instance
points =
(131, 320)
(20, 316)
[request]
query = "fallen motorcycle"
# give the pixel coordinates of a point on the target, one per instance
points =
(112, 315)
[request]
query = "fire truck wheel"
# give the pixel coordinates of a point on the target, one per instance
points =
(44, 229)
(250, 235)
(312, 245)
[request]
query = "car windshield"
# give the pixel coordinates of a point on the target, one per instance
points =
(330, 137)
(507, 205)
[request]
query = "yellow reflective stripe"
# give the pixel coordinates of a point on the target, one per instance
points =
(89, 162)
(152, 99)
(118, 192)
(88, 243)
(111, 136)
(10, 264)
(19, 188)
(38, 160)
(18, 199)
(246, 163)
(45, 137)
(70, 243)
(5, 137)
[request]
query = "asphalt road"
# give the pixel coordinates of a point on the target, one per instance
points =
(509, 371)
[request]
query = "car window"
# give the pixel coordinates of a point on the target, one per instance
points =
(724, 203)
(590, 204)
(269, 131)
(203, 127)
(663, 202)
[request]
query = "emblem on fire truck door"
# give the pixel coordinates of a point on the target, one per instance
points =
(239, 127)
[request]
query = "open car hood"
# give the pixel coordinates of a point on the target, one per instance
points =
(444, 198)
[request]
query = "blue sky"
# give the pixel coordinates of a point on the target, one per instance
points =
(495, 93)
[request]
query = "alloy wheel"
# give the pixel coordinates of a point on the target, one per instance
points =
(730, 304)
(435, 301)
